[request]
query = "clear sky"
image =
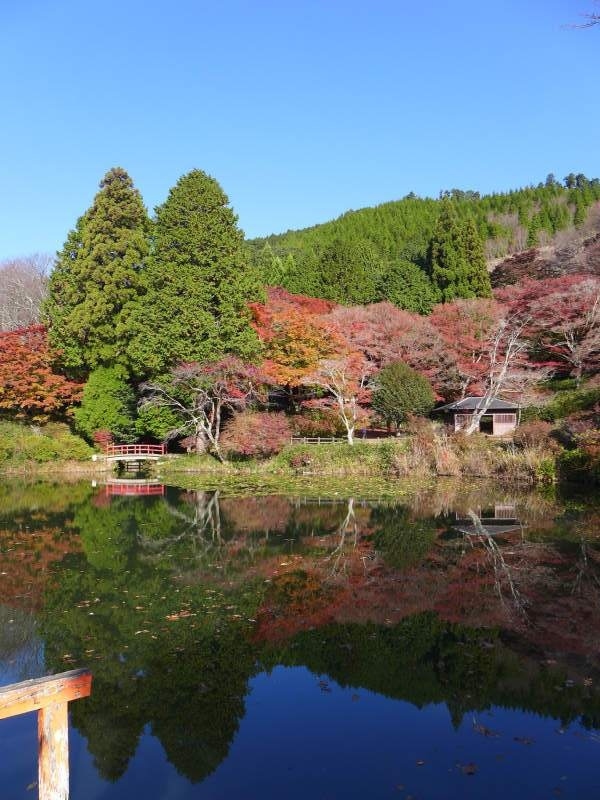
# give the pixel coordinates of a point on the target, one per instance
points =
(302, 109)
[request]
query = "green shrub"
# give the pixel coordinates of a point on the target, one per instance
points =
(400, 391)
(21, 443)
(570, 402)
(561, 384)
(108, 403)
(574, 465)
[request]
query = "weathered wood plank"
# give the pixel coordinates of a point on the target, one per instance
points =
(53, 752)
(20, 698)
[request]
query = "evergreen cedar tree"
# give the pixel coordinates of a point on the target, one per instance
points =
(456, 258)
(197, 282)
(399, 391)
(97, 282)
(30, 385)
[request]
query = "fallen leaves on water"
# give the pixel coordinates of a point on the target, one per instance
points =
(524, 740)
(484, 731)
(180, 615)
(469, 769)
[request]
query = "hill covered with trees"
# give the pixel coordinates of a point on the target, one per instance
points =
(173, 328)
(417, 251)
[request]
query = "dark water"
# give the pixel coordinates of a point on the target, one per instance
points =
(445, 646)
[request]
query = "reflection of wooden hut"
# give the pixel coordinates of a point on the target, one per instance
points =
(502, 518)
(500, 418)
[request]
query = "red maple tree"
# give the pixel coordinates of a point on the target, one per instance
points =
(30, 386)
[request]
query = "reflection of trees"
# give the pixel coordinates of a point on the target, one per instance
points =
(185, 678)
(403, 540)
(504, 573)
(159, 603)
(425, 660)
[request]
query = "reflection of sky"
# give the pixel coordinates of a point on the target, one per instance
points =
(303, 736)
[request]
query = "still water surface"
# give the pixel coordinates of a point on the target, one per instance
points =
(442, 646)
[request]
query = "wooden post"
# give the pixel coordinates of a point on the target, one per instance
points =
(49, 697)
(53, 752)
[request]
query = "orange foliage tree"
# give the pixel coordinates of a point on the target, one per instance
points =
(296, 337)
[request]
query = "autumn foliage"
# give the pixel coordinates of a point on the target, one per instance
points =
(256, 434)
(29, 384)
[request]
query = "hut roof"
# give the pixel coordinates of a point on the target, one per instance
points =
(474, 404)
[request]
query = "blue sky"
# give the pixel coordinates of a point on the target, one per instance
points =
(301, 109)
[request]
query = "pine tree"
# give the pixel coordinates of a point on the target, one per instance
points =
(456, 257)
(96, 283)
(198, 282)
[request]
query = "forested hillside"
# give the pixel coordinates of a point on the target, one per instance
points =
(389, 252)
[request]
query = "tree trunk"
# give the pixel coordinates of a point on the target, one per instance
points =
(200, 443)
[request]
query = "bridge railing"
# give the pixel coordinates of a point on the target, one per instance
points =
(49, 696)
(112, 450)
(134, 489)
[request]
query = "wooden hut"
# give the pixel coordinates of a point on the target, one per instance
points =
(500, 419)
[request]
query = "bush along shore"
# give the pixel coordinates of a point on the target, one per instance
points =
(416, 458)
(559, 441)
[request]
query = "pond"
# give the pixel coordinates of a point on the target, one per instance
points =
(442, 645)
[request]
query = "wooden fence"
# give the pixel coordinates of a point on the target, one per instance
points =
(343, 440)
(49, 696)
(318, 440)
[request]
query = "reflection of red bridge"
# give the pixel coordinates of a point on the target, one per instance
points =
(134, 452)
(134, 488)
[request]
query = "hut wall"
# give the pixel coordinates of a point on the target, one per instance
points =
(504, 424)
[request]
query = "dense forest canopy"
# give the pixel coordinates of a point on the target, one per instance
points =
(386, 248)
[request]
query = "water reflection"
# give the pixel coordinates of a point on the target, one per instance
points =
(177, 599)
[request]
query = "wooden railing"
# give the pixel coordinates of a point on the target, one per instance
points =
(318, 440)
(131, 489)
(113, 450)
(49, 697)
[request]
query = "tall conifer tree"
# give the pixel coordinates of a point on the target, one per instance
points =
(456, 257)
(198, 282)
(96, 283)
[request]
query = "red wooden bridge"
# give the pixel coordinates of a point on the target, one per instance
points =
(135, 452)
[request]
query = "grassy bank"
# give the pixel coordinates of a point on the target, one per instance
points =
(427, 455)
(48, 450)
(419, 459)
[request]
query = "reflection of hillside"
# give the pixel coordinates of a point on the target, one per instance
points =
(177, 600)
(424, 660)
